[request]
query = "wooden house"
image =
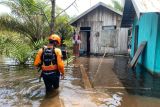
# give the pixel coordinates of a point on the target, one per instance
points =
(99, 29)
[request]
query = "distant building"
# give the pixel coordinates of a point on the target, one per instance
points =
(99, 29)
(144, 18)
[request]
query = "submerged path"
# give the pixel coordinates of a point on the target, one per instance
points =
(127, 87)
(114, 85)
(19, 86)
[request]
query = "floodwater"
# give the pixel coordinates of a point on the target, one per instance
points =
(142, 88)
(20, 87)
(115, 85)
(127, 87)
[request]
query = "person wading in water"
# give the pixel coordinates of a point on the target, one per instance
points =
(49, 58)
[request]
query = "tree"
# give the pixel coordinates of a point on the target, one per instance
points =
(31, 18)
(62, 25)
(117, 5)
(28, 18)
(53, 2)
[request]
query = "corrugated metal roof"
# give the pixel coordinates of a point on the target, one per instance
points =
(138, 7)
(92, 8)
(145, 6)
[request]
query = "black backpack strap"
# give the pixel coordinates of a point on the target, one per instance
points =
(55, 54)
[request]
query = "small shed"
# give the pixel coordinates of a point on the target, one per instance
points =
(144, 18)
(99, 29)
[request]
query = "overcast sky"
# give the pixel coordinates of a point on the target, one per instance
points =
(79, 7)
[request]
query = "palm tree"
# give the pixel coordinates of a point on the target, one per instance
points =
(28, 17)
(31, 19)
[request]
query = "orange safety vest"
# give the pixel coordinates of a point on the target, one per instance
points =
(49, 59)
(59, 65)
(49, 68)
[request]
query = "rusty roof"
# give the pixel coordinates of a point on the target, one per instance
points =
(145, 6)
(138, 7)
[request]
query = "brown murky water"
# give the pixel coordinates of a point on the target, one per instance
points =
(127, 88)
(20, 87)
(114, 86)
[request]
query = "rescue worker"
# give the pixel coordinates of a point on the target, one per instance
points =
(49, 58)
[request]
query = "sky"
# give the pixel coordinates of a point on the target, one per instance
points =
(79, 7)
(4, 9)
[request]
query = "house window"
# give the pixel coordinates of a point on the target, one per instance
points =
(108, 27)
(85, 28)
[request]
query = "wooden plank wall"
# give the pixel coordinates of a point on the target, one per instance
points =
(98, 18)
(117, 44)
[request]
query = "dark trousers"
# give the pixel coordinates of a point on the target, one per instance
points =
(51, 80)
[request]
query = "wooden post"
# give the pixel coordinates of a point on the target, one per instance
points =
(85, 79)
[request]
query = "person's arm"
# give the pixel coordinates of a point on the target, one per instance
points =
(37, 60)
(59, 61)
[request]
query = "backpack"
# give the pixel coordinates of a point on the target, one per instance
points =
(49, 56)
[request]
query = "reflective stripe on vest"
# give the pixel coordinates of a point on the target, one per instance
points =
(49, 68)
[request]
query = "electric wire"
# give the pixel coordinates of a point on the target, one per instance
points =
(66, 8)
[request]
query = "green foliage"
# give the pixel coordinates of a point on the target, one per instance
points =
(39, 44)
(62, 26)
(68, 43)
(21, 52)
(36, 46)
(3, 43)
(117, 5)
(69, 46)
(26, 29)
(27, 18)
(12, 45)
(31, 18)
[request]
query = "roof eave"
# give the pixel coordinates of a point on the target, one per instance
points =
(92, 8)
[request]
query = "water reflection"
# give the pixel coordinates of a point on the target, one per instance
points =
(18, 84)
(139, 81)
(20, 87)
(52, 99)
(138, 88)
